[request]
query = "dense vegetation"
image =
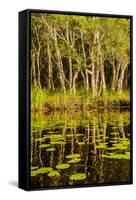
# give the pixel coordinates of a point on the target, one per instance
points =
(78, 60)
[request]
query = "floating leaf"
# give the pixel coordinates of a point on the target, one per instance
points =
(44, 170)
(114, 133)
(33, 168)
(44, 145)
(58, 142)
(54, 173)
(74, 160)
(55, 136)
(63, 166)
(74, 135)
(101, 146)
(78, 177)
(39, 139)
(73, 155)
(81, 143)
(50, 149)
(111, 148)
(98, 140)
(117, 156)
(33, 173)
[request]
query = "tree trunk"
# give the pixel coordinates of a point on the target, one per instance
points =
(69, 58)
(38, 68)
(121, 78)
(59, 63)
(50, 78)
(33, 70)
(85, 65)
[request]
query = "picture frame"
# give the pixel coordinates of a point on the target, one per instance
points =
(57, 148)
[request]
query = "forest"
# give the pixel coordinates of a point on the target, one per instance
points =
(79, 61)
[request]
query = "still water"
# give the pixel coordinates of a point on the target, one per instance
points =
(76, 148)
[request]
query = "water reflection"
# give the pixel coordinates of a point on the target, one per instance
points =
(80, 148)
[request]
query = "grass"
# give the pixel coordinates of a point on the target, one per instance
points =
(42, 99)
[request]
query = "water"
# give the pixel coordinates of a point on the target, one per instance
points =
(77, 148)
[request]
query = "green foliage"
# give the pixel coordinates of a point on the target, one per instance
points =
(54, 173)
(118, 156)
(83, 41)
(63, 166)
(75, 155)
(78, 177)
(44, 170)
(50, 149)
(44, 100)
(74, 160)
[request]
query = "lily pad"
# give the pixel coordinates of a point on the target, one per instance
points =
(55, 136)
(44, 170)
(58, 142)
(75, 155)
(39, 139)
(33, 173)
(63, 166)
(78, 177)
(117, 156)
(81, 143)
(54, 173)
(50, 149)
(101, 146)
(44, 145)
(114, 133)
(111, 148)
(33, 168)
(74, 160)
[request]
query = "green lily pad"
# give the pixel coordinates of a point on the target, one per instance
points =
(33, 168)
(54, 173)
(76, 135)
(74, 160)
(111, 148)
(101, 146)
(50, 149)
(98, 140)
(39, 139)
(75, 155)
(44, 170)
(114, 133)
(33, 173)
(81, 143)
(44, 145)
(78, 177)
(120, 146)
(117, 156)
(63, 166)
(55, 136)
(58, 142)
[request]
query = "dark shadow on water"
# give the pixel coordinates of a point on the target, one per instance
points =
(13, 183)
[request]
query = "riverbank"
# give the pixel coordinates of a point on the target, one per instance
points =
(44, 100)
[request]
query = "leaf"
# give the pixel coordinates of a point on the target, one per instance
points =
(58, 142)
(44, 145)
(33, 168)
(74, 160)
(63, 166)
(44, 170)
(50, 149)
(118, 156)
(78, 177)
(81, 143)
(53, 173)
(101, 146)
(73, 155)
(33, 173)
